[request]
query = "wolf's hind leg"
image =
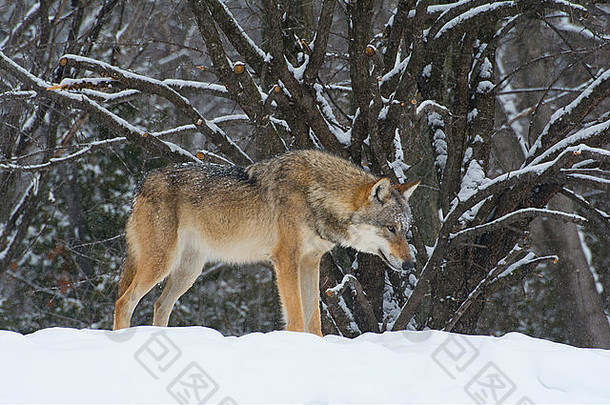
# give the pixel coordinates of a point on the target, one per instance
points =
(179, 281)
(143, 281)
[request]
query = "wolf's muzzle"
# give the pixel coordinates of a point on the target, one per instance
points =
(408, 265)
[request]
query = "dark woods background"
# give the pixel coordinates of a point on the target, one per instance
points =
(455, 94)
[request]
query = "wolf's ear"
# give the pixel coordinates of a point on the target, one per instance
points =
(380, 190)
(407, 188)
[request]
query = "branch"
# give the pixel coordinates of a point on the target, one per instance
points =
(244, 45)
(479, 13)
(396, 27)
(505, 267)
(112, 121)
(302, 95)
(62, 159)
(320, 42)
(600, 133)
(541, 173)
(206, 88)
(154, 86)
(599, 217)
(359, 30)
(29, 19)
(17, 95)
(567, 118)
(592, 181)
(235, 77)
(512, 217)
(459, 8)
(350, 281)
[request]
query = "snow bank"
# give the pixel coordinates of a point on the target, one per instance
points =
(199, 365)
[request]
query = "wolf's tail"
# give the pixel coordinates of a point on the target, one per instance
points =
(128, 272)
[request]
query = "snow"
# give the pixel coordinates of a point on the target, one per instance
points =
(484, 86)
(473, 178)
(589, 257)
(398, 69)
(342, 136)
(435, 120)
(191, 84)
(427, 71)
(473, 12)
(198, 365)
(398, 165)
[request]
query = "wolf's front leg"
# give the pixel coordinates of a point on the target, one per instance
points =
(309, 278)
(285, 261)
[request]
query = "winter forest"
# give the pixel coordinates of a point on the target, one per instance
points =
(500, 108)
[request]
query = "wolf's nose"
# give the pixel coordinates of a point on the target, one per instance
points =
(408, 265)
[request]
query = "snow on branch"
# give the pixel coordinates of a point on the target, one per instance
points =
(516, 259)
(593, 181)
(350, 281)
(566, 118)
(535, 174)
(61, 159)
(596, 215)
(513, 217)
(208, 88)
(103, 115)
(154, 86)
(17, 95)
(473, 14)
(238, 37)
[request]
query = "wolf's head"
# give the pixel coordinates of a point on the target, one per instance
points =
(381, 223)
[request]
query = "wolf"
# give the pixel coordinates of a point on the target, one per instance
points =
(288, 210)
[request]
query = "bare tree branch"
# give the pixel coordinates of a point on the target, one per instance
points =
(511, 218)
(105, 117)
(504, 268)
(566, 118)
(253, 55)
(153, 86)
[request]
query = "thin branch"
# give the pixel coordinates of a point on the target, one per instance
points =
(154, 86)
(105, 117)
(62, 159)
(592, 181)
(565, 119)
(596, 215)
(504, 268)
(512, 217)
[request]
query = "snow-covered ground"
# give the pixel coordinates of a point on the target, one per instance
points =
(199, 365)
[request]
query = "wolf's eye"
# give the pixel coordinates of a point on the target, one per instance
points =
(391, 228)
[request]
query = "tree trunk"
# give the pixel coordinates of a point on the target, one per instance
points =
(588, 326)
